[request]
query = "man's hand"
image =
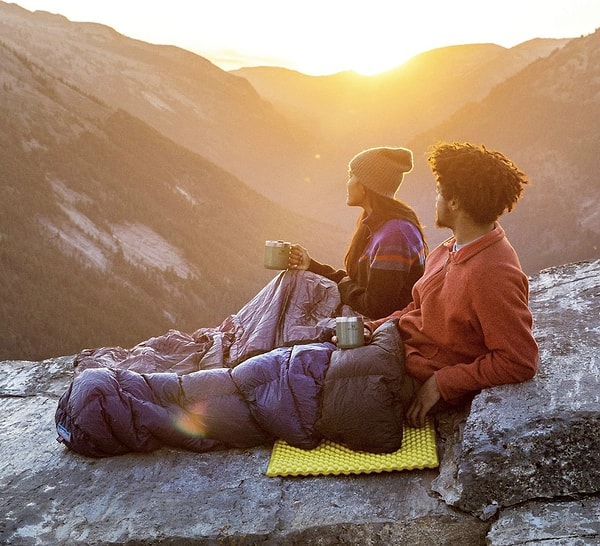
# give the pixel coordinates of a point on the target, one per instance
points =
(368, 336)
(426, 398)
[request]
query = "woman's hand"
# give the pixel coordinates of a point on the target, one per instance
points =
(299, 257)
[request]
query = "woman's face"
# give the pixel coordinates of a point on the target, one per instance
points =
(355, 192)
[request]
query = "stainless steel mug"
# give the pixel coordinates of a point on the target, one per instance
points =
(277, 254)
(350, 332)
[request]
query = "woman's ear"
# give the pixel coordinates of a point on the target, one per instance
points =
(367, 199)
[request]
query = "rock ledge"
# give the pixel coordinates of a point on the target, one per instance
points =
(520, 468)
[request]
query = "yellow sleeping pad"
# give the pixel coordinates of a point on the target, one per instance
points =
(418, 451)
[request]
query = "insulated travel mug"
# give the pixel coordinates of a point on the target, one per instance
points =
(350, 332)
(277, 254)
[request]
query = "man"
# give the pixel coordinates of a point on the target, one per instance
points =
(469, 326)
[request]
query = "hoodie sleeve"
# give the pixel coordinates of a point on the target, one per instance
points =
(336, 275)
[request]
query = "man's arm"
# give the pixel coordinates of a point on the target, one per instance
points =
(372, 325)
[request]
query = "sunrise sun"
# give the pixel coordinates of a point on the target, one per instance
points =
(318, 38)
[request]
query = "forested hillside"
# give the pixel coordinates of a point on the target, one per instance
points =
(140, 181)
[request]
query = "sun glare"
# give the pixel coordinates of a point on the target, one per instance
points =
(314, 63)
(319, 38)
(377, 65)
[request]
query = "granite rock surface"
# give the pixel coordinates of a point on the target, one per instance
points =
(521, 467)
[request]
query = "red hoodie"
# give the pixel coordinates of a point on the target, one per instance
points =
(469, 323)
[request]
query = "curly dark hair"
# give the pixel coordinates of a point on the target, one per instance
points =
(485, 182)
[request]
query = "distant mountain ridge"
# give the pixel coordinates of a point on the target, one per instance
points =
(417, 95)
(139, 182)
(110, 231)
(182, 95)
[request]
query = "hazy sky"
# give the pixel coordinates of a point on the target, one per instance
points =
(326, 36)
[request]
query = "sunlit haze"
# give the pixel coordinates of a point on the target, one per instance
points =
(327, 36)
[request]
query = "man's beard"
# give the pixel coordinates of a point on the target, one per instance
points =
(439, 223)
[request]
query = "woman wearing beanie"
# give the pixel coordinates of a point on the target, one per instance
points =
(386, 255)
(384, 259)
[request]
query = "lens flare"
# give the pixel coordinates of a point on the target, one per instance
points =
(191, 420)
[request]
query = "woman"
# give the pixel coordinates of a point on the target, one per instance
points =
(387, 253)
(385, 258)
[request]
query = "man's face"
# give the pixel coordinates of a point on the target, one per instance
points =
(443, 215)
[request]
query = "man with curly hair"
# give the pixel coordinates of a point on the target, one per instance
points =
(469, 325)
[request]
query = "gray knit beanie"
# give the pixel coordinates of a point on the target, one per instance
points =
(382, 169)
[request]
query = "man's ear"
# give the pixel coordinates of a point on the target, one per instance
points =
(454, 204)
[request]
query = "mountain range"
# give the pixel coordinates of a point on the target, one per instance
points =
(140, 181)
